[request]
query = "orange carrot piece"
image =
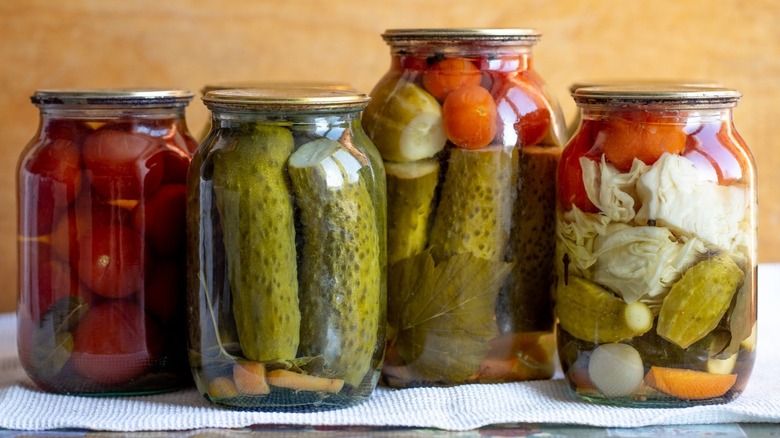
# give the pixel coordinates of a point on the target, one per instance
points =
(689, 384)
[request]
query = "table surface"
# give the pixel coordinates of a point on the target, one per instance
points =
(769, 276)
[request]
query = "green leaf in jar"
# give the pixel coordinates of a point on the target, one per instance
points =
(444, 315)
(52, 337)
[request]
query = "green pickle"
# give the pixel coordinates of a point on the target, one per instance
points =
(251, 191)
(698, 301)
(411, 188)
(474, 212)
(340, 260)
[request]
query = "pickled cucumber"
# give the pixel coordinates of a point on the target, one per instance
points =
(251, 191)
(697, 301)
(404, 121)
(340, 259)
(591, 313)
(526, 299)
(475, 208)
(410, 191)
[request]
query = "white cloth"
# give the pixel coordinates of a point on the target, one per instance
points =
(24, 407)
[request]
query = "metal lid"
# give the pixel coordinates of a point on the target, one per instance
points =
(657, 94)
(143, 97)
(285, 99)
(271, 84)
(527, 36)
(644, 82)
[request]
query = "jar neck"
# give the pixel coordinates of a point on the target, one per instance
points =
(98, 113)
(489, 56)
(670, 114)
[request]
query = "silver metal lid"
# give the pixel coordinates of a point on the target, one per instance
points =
(644, 82)
(285, 99)
(270, 84)
(649, 94)
(527, 36)
(131, 97)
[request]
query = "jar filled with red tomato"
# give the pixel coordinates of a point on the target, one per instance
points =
(656, 248)
(470, 138)
(101, 230)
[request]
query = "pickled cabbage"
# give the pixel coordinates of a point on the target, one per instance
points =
(613, 192)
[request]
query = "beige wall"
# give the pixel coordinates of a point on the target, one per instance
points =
(98, 43)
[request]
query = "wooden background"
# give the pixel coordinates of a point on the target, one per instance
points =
(186, 44)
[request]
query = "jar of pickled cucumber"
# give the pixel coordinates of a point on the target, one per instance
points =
(470, 138)
(656, 248)
(101, 197)
(287, 265)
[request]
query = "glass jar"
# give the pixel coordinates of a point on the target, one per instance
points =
(101, 196)
(286, 235)
(656, 248)
(470, 139)
(267, 85)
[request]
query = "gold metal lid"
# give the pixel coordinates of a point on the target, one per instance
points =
(125, 97)
(272, 84)
(527, 36)
(285, 100)
(648, 94)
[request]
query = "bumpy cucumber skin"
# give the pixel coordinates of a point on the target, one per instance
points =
(525, 303)
(339, 272)
(475, 208)
(251, 192)
(591, 313)
(410, 208)
(698, 301)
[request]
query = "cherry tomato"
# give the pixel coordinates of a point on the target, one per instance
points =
(87, 212)
(571, 187)
(49, 179)
(161, 218)
(111, 261)
(450, 74)
(122, 164)
(522, 109)
(115, 342)
(470, 116)
(713, 150)
(641, 135)
(164, 292)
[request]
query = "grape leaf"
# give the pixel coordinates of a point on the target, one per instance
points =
(442, 316)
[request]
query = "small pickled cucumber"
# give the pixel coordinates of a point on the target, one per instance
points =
(526, 298)
(410, 191)
(251, 191)
(404, 121)
(591, 313)
(340, 259)
(697, 301)
(475, 208)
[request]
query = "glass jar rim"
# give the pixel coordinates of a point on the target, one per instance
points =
(456, 35)
(119, 97)
(655, 94)
(286, 99)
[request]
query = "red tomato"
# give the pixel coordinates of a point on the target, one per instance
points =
(111, 261)
(115, 342)
(522, 108)
(713, 148)
(67, 129)
(164, 292)
(123, 165)
(571, 188)
(44, 280)
(161, 218)
(641, 135)
(450, 74)
(49, 179)
(88, 212)
(470, 116)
